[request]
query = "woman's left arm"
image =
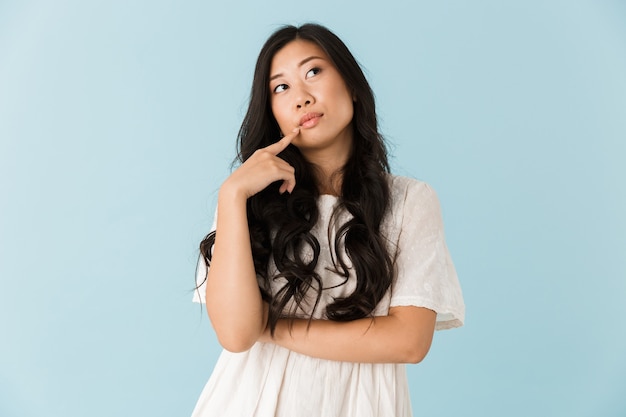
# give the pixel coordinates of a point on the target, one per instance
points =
(403, 336)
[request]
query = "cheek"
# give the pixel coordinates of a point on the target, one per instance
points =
(343, 99)
(279, 115)
(347, 106)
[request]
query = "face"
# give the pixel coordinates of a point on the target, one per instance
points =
(309, 93)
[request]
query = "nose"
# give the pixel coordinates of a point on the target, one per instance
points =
(305, 104)
(303, 96)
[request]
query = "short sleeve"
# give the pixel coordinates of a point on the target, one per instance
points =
(199, 293)
(425, 273)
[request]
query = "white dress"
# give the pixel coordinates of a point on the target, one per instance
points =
(271, 381)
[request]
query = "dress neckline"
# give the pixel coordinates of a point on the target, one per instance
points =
(327, 200)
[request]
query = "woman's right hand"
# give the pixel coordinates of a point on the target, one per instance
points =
(233, 297)
(261, 169)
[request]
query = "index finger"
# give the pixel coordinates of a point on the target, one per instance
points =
(278, 147)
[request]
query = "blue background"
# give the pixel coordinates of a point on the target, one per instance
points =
(117, 126)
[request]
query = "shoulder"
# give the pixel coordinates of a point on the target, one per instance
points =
(410, 193)
(413, 211)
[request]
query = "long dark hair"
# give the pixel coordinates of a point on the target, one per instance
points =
(290, 217)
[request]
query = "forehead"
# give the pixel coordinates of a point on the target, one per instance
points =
(290, 56)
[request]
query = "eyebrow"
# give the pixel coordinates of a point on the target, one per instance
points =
(304, 61)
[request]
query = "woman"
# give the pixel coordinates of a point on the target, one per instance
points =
(327, 273)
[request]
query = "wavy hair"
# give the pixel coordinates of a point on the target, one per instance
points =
(280, 225)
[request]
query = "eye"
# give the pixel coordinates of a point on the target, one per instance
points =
(313, 72)
(280, 88)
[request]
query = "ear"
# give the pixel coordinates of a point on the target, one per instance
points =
(354, 96)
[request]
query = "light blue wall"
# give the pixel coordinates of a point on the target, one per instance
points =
(117, 125)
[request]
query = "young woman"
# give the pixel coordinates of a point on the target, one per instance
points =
(326, 273)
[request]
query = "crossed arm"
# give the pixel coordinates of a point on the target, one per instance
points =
(239, 315)
(403, 336)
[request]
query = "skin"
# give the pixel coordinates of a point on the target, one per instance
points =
(303, 81)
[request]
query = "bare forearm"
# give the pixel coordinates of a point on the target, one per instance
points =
(397, 338)
(233, 297)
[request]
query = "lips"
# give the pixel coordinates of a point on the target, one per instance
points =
(310, 119)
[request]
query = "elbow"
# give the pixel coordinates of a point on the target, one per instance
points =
(236, 343)
(235, 337)
(416, 352)
(414, 331)
(236, 348)
(415, 356)
(234, 334)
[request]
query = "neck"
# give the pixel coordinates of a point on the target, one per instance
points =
(329, 183)
(328, 171)
(329, 164)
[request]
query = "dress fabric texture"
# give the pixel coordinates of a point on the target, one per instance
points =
(271, 381)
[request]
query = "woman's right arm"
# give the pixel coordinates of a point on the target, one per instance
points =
(233, 299)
